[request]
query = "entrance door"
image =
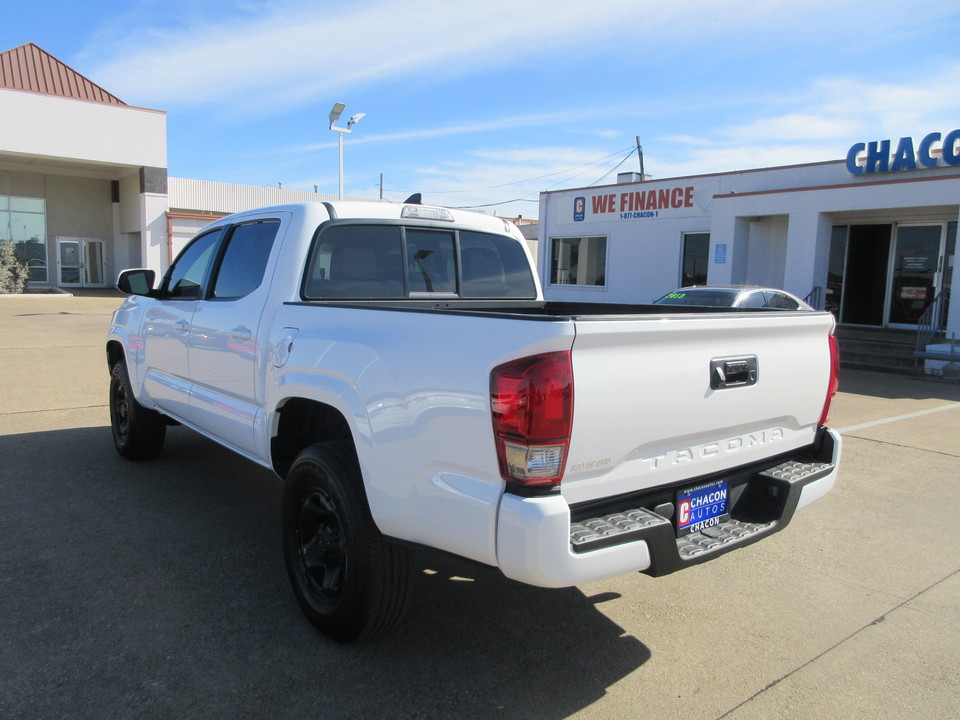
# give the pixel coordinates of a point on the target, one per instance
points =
(80, 262)
(865, 274)
(914, 280)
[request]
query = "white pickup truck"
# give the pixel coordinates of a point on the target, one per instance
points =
(397, 366)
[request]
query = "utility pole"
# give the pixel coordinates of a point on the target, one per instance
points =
(640, 155)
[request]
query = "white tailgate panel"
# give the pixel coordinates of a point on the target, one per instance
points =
(645, 413)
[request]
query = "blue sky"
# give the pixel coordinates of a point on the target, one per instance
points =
(487, 104)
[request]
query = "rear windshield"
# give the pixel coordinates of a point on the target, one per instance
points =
(381, 262)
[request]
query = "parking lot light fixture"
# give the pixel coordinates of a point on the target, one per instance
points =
(335, 114)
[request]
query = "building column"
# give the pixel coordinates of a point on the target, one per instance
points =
(727, 264)
(154, 243)
(808, 253)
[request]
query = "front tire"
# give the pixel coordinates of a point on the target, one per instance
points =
(138, 432)
(350, 583)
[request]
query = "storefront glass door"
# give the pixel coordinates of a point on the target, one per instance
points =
(80, 262)
(914, 281)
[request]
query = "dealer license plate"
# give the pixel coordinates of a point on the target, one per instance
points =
(702, 506)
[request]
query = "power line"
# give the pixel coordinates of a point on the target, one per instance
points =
(625, 158)
(588, 165)
(586, 168)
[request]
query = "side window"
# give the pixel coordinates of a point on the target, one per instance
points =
(753, 300)
(188, 273)
(430, 264)
(578, 261)
(245, 260)
(493, 266)
(782, 302)
(355, 262)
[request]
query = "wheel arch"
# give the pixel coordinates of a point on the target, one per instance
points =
(114, 353)
(302, 422)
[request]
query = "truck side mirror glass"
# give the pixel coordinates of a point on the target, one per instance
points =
(136, 282)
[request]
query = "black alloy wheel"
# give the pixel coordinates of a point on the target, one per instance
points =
(138, 432)
(350, 583)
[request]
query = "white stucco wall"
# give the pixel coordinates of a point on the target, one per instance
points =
(70, 129)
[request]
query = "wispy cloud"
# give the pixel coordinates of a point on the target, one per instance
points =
(817, 122)
(284, 53)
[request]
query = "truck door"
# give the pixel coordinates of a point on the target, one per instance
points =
(166, 326)
(224, 345)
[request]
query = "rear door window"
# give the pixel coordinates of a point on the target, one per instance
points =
(753, 300)
(245, 259)
(781, 302)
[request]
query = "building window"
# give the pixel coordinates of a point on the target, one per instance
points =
(23, 221)
(696, 253)
(579, 261)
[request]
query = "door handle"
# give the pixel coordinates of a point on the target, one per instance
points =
(241, 333)
(182, 326)
(733, 372)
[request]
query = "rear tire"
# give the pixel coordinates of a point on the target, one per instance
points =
(350, 583)
(138, 432)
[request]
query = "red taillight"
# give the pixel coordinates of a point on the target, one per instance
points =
(532, 404)
(834, 379)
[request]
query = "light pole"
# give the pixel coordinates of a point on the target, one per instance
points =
(335, 114)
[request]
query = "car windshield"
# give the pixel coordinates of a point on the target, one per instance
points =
(712, 297)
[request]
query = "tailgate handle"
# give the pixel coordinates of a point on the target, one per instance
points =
(733, 372)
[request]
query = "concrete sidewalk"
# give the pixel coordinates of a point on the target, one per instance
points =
(157, 590)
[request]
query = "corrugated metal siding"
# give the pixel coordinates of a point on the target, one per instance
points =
(182, 229)
(32, 69)
(206, 196)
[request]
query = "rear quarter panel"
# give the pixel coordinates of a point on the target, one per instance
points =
(414, 387)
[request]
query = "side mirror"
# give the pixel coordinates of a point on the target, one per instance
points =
(137, 282)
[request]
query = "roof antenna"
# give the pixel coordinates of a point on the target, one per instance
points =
(415, 199)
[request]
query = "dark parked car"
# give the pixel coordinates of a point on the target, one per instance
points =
(734, 296)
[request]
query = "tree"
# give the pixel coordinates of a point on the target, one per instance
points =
(13, 273)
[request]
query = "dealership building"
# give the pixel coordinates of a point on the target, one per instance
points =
(871, 237)
(84, 193)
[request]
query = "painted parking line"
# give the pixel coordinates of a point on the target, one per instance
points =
(908, 416)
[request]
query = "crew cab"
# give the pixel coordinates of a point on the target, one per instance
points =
(397, 366)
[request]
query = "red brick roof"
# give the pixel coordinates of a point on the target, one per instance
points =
(35, 70)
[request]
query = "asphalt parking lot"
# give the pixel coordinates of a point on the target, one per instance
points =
(158, 590)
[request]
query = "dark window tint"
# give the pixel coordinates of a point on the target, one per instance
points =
(781, 301)
(494, 267)
(696, 253)
(430, 262)
(245, 259)
(355, 262)
(753, 300)
(186, 277)
(710, 298)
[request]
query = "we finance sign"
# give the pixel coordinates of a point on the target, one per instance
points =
(633, 204)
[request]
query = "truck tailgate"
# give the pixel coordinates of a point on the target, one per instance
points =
(660, 400)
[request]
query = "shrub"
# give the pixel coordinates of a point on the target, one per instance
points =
(13, 273)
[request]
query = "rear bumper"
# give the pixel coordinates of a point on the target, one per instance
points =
(543, 541)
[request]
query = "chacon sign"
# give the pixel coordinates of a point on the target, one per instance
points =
(878, 157)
